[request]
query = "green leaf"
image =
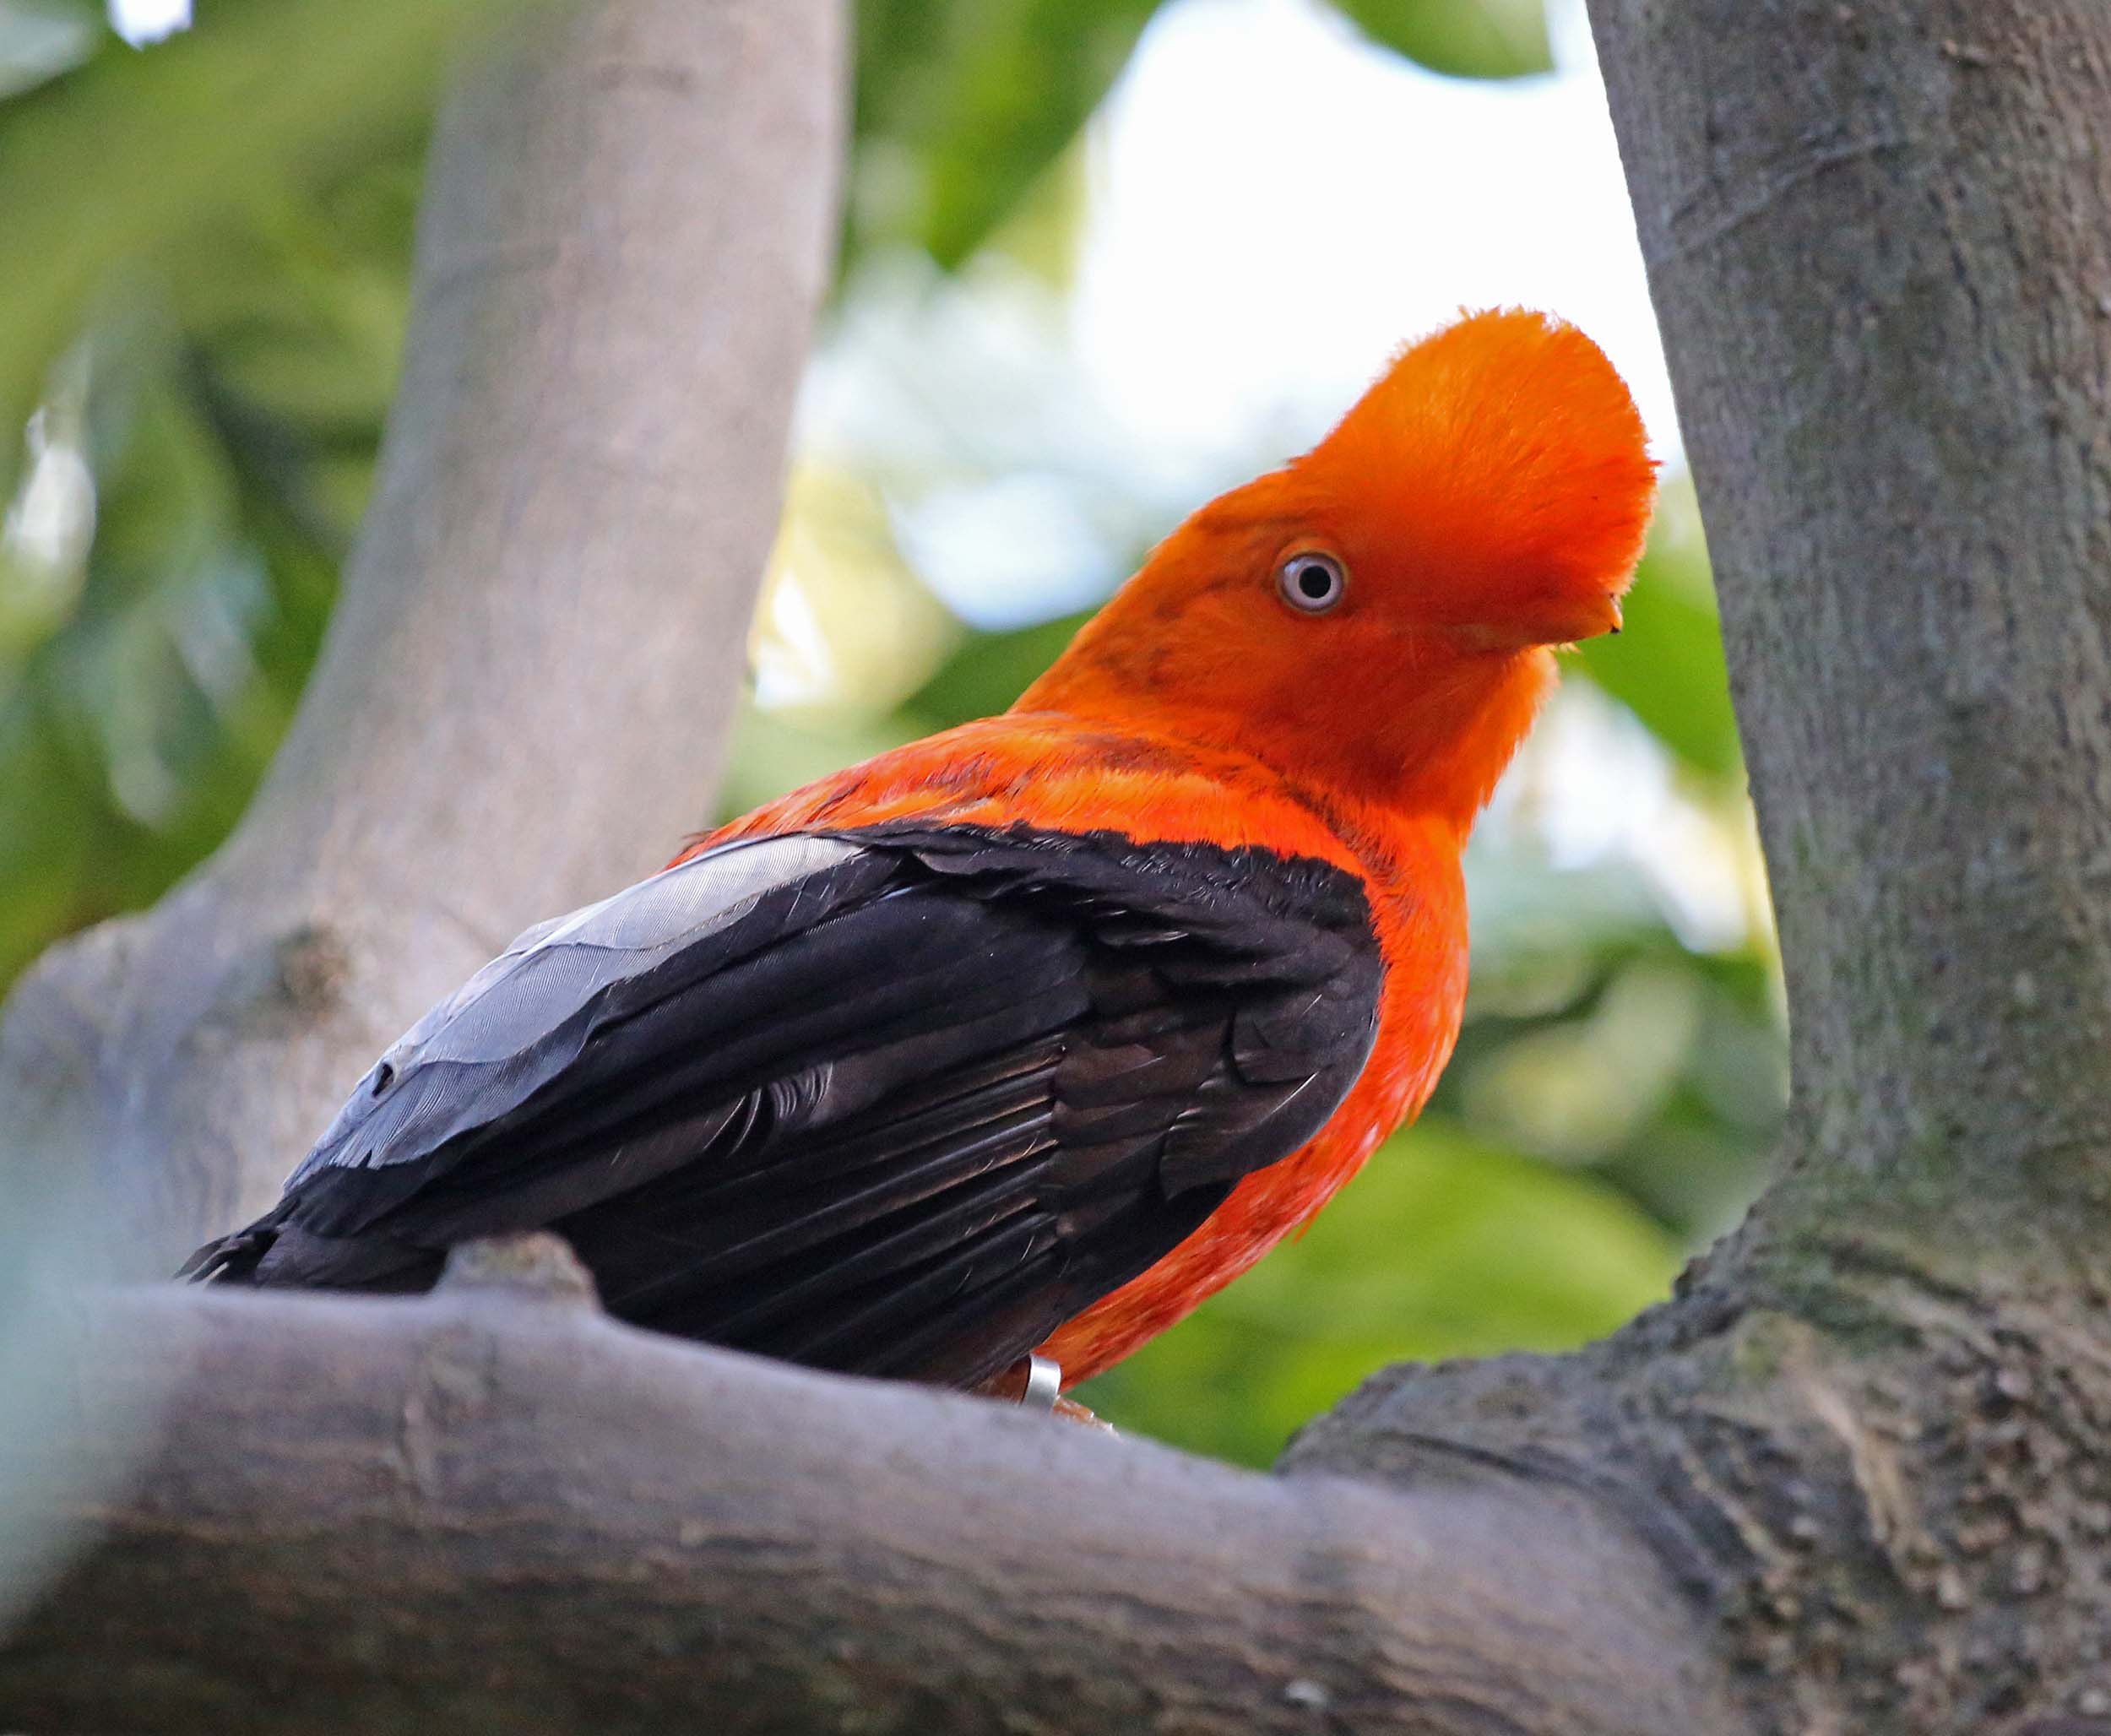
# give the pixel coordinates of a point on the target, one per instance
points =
(1468, 39)
(1666, 665)
(961, 105)
(771, 754)
(46, 851)
(988, 673)
(102, 166)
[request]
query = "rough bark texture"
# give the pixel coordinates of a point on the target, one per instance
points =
(497, 1510)
(1855, 1476)
(1877, 242)
(1871, 1432)
(542, 635)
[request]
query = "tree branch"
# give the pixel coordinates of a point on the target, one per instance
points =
(540, 636)
(503, 1505)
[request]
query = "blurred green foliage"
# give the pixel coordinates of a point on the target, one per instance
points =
(1473, 39)
(208, 246)
(959, 108)
(124, 151)
(1667, 666)
(195, 476)
(1445, 1245)
(960, 104)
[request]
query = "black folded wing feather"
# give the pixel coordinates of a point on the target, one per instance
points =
(899, 1101)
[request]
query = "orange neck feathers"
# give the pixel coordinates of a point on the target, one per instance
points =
(1484, 501)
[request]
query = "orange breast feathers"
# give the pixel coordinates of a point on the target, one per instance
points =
(1336, 661)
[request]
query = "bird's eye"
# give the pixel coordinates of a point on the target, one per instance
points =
(1310, 581)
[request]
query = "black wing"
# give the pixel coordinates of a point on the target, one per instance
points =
(899, 1101)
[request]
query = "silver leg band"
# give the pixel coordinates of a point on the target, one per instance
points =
(1043, 1380)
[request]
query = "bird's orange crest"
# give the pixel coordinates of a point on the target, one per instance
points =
(1485, 500)
(1501, 468)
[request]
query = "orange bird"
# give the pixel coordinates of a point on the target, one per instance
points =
(1020, 1041)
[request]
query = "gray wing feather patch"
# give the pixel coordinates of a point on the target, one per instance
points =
(523, 1018)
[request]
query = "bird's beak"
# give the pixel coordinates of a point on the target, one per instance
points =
(1564, 621)
(1574, 618)
(1545, 620)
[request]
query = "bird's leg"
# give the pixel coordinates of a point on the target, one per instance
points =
(1035, 1383)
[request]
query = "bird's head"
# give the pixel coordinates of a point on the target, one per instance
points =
(1379, 611)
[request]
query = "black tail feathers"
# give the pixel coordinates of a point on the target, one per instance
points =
(232, 1259)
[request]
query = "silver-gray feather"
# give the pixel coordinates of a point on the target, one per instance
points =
(523, 1018)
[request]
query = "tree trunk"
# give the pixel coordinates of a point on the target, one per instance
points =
(1852, 1478)
(522, 700)
(1877, 242)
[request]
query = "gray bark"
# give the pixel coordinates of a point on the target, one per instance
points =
(541, 638)
(1873, 1424)
(498, 1510)
(1855, 1476)
(1874, 1429)
(1875, 235)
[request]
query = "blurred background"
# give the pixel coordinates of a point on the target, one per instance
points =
(1101, 258)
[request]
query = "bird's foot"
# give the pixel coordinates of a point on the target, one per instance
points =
(1070, 1411)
